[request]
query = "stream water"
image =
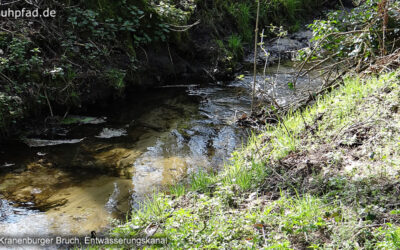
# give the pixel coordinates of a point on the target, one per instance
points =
(86, 174)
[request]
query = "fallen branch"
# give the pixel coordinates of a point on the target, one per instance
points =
(318, 64)
(183, 28)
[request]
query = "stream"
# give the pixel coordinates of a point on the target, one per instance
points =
(90, 172)
(98, 169)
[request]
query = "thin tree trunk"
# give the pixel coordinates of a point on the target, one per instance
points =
(255, 58)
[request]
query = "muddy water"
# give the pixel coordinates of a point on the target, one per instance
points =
(83, 174)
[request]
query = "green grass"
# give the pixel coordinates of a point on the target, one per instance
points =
(177, 190)
(292, 6)
(244, 17)
(266, 198)
(235, 46)
(340, 103)
(201, 181)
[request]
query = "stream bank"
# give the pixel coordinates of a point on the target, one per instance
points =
(324, 177)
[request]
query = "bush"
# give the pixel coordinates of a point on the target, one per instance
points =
(357, 35)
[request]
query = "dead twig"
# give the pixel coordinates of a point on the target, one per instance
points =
(318, 64)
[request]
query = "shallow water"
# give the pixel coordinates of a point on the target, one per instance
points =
(84, 175)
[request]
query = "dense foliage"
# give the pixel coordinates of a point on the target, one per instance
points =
(357, 37)
(57, 61)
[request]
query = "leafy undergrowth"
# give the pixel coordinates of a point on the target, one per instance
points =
(325, 177)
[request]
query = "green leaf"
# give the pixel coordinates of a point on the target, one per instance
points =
(240, 77)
